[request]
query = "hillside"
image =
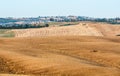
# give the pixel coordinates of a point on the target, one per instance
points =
(82, 29)
(106, 29)
(85, 49)
(60, 56)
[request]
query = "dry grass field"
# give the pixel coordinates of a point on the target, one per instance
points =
(6, 33)
(87, 49)
(106, 29)
(60, 56)
(81, 29)
(72, 30)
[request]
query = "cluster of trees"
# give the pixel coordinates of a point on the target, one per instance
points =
(10, 23)
(111, 21)
(4, 20)
(22, 26)
(63, 20)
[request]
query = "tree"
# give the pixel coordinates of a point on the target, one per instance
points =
(46, 25)
(51, 19)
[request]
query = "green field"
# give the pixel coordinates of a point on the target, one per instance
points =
(6, 33)
(63, 23)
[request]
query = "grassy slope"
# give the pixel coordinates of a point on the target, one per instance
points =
(67, 55)
(82, 29)
(6, 33)
(74, 30)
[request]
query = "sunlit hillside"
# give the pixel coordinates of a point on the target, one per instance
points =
(81, 29)
(62, 56)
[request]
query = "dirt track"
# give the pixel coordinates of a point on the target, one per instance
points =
(66, 55)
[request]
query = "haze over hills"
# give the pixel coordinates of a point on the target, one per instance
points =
(9, 22)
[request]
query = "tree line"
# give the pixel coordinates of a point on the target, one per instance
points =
(22, 26)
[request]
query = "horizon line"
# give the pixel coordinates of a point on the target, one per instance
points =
(55, 16)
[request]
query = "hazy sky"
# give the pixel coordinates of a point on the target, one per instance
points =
(34, 8)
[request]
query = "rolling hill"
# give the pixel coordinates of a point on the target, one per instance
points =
(82, 29)
(86, 49)
(60, 56)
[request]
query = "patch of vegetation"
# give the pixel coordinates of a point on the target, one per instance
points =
(6, 33)
(118, 35)
(41, 25)
(94, 51)
(22, 26)
(63, 23)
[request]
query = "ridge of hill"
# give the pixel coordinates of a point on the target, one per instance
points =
(82, 29)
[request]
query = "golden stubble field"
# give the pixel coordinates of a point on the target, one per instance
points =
(85, 49)
(81, 29)
(60, 56)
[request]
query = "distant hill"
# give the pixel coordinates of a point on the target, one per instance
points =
(82, 29)
(45, 19)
